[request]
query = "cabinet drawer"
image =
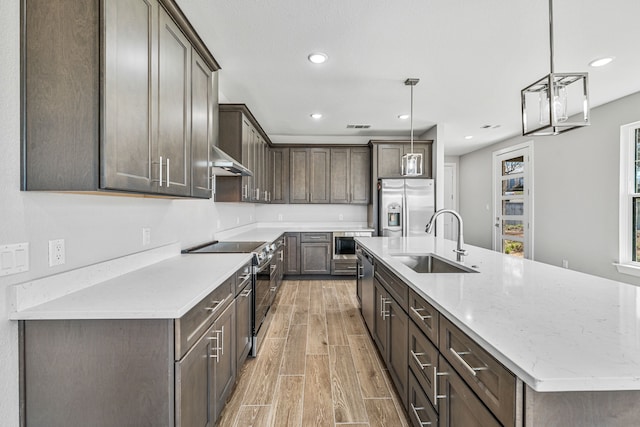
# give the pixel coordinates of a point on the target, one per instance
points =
(343, 267)
(425, 316)
(193, 324)
(423, 361)
(492, 382)
(243, 276)
(421, 413)
(315, 237)
(396, 288)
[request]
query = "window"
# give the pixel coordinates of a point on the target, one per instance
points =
(629, 262)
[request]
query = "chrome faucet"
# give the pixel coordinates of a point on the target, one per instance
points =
(459, 250)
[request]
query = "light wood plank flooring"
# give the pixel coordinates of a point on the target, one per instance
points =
(317, 367)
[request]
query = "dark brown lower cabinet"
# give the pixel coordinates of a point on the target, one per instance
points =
(292, 253)
(458, 405)
(391, 337)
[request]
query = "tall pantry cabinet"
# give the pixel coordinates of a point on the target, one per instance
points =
(118, 95)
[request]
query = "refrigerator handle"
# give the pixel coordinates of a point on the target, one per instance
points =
(405, 215)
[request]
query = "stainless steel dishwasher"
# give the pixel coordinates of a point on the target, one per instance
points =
(364, 285)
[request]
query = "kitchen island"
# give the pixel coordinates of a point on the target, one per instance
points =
(572, 340)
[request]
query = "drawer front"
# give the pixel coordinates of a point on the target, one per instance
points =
(343, 267)
(421, 413)
(425, 316)
(459, 406)
(423, 362)
(315, 237)
(396, 288)
(492, 382)
(243, 277)
(193, 324)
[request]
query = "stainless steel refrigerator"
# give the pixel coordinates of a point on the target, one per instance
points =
(405, 206)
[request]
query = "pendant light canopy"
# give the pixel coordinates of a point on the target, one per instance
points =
(556, 103)
(411, 162)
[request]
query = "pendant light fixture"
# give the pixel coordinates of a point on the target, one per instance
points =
(556, 103)
(411, 162)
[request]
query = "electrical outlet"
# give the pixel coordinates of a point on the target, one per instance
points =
(279, 217)
(237, 220)
(56, 252)
(340, 217)
(565, 263)
(146, 236)
(218, 223)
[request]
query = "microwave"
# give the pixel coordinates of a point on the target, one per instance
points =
(344, 245)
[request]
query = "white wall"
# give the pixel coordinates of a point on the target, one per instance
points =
(576, 184)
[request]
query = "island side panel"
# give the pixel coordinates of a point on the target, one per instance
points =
(582, 408)
(98, 372)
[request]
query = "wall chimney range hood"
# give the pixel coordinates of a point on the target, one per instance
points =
(223, 164)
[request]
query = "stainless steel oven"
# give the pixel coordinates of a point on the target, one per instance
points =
(344, 245)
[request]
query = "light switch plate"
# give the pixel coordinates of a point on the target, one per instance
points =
(14, 258)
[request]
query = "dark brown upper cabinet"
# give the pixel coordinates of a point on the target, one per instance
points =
(128, 106)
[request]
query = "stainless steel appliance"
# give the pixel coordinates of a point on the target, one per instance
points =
(261, 278)
(344, 245)
(364, 286)
(404, 206)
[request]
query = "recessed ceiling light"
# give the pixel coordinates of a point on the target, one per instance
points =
(403, 116)
(318, 57)
(600, 62)
(468, 137)
(316, 116)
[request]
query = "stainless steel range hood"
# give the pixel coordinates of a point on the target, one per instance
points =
(223, 164)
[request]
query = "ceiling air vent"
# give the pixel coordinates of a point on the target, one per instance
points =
(358, 126)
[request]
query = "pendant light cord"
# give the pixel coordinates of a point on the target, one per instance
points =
(551, 34)
(411, 116)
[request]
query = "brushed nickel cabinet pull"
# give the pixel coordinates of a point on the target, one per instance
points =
(415, 414)
(160, 171)
(458, 356)
(417, 313)
(415, 357)
(168, 172)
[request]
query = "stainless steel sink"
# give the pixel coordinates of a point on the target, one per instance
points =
(431, 264)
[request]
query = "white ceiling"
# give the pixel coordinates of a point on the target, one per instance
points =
(472, 58)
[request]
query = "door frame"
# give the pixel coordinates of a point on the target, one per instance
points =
(529, 180)
(454, 188)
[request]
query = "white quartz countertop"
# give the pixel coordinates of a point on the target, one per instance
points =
(164, 290)
(556, 329)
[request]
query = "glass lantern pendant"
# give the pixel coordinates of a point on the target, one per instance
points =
(556, 103)
(411, 162)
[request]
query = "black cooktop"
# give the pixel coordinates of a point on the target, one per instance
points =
(224, 247)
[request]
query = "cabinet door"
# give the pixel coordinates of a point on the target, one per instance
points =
(397, 348)
(340, 186)
(202, 100)
(389, 160)
(247, 161)
(299, 188)
(193, 379)
(224, 360)
(243, 325)
(292, 253)
(380, 299)
(359, 175)
(460, 407)
(173, 151)
(253, 161)
(130, 95)
(319, 175)
(315, 258)
(279, 166)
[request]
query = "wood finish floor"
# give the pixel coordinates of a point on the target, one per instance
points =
(317, 367)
